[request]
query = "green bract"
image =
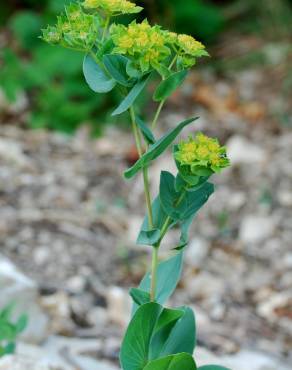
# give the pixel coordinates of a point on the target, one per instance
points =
(74, 29)
(126, 58)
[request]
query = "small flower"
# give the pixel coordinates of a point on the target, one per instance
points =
(74, 29)
(141, 42)
(52, 35)
(200, 153)
(112, 7)
(189, 45)
(187, 48)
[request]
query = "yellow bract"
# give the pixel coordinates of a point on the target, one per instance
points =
(189, 45)
(113, 7)
(144, 43)
(202, 152)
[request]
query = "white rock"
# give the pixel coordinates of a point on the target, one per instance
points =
(236, 200)
(62, 353)
(11, 152)
(255, 229)
(197, 252)
(269, 307)
(16, 287)
(285, 198)
(21, 363)
(119, 306)
(242, 151)
(204, 285)
(239, 361)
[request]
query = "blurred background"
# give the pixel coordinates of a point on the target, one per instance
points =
(68, 220)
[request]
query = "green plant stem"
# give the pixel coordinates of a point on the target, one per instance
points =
(148, 204)
(107, 21)
(145, 169)
(157, 114)
(155, 251)
(161, 104)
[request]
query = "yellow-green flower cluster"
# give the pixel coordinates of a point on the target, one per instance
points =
(187, 48)
(145, 44)
(74, 29)
(202, 152)
(112, 7)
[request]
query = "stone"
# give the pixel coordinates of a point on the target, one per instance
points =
(238, 361)
(22, 363)
(58, 307)
(254, 229)
(76, 284)
(11, 152)
(60, 353)
(204, 285)
(16, 287)
(197, 252)
(119, 306)
(242, 151)
(277, 309)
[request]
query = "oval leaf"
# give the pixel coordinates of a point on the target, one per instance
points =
(157, 149)
(182, 337)
(181, 361)
(116, 66)
(95, 76)
(169, 85)
(136, 343)
(164, 326)
(132, 96)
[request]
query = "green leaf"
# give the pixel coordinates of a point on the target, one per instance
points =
(7, 331)
(196, 199)
(132, 96)
(168, 275)
(21, 323)
(165, 324)
(96, 77)
(148, 237)
(180, 361)
(135, 346)
(169, 85)
(212, 367)
(139, 296)
(5, 313)
(169, 197)
(146, 131)
(116, 66)
(167, 317)
(132, 71)
(182, 337)
(9, 349)
(157, 149)
(151, 237)
(184, 237)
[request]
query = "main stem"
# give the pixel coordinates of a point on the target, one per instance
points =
(148, 204)
(145, 169)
